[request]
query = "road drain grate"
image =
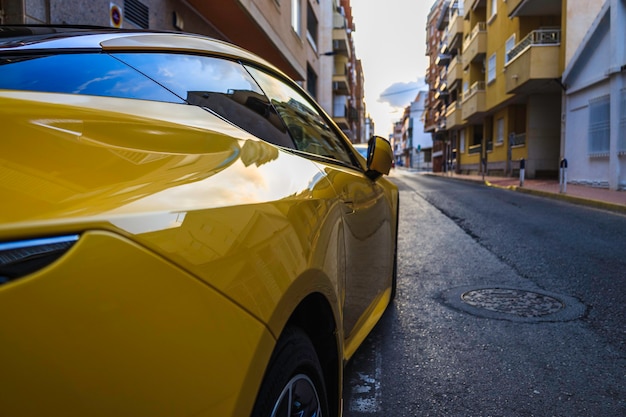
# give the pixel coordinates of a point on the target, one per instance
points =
(513, 304)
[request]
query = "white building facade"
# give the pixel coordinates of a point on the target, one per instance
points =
(594, 111)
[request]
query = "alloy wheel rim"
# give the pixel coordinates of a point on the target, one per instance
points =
(299, 398)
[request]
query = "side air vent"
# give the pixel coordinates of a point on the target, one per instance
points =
(137, 13)
(23, 257)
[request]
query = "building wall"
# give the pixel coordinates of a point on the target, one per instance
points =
(499, 29)
(580, 16)
(543, 135)
(581, 167)
(596, 70)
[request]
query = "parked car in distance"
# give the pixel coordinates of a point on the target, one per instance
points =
(184, 231)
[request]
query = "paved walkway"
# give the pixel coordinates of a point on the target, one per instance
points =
(580, 194)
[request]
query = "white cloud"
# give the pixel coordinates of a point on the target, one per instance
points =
(401, 94)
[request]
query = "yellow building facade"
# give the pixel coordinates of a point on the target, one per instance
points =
(503, 90)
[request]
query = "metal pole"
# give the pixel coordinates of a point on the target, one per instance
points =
(563, 176)
(522, 171)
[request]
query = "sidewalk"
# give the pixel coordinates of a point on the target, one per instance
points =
(579, 194)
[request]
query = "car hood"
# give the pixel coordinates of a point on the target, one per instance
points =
(71, 161)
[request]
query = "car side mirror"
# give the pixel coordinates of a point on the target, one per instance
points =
(379, 157)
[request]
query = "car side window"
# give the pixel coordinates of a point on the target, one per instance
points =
(305, 123)
(220, 85)
(86, 74)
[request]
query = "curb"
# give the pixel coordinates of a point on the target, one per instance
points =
(613, 207)
(618, 208)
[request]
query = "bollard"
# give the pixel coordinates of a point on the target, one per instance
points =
(522, 171)
(563, 176)
(484, 167)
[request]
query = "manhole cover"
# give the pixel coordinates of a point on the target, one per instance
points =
(513, 304)
(510, 301)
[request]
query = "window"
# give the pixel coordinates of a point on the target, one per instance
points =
(85, 74)
(221, 86)
(500, 131)
(599, 125)
(462, 141)
(494, 8)
(508, 46)
(311, 26)
(306, 124)
(491, 68)
(311, 81)
(295, 16)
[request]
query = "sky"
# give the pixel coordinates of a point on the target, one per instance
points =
(390, 41)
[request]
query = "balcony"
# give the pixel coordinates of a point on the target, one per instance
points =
(442, 60)
(340, 116)
(341, 84)
(454, 34)
(341, 44)
(517, 8)
(453, 115)
(517, 140)
(475, 46)
(341, 76)
(442, 20)
(455, 71)
(534, 63)
(475, 149)
(474, 101)
(469, 5)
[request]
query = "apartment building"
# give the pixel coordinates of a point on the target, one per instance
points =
(435, 102)
(309, 40)
(415, 145)
(500, 85)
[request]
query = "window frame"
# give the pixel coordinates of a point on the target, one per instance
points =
(462, 141)
(232, 94)
(312, 24)
(599, 128)
(494, 9)
(508, 47)
(296, 18)
(500, 131)
(491, 69)
(353, 162)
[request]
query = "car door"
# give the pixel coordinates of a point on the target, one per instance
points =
(366, 211)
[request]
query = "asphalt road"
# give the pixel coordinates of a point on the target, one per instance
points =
(541, 327)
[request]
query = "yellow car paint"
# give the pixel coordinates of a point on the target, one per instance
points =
(197, 243)
(113, 330)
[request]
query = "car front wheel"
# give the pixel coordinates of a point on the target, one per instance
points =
(293, 384)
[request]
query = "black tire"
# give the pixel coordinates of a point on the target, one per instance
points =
(293, 379)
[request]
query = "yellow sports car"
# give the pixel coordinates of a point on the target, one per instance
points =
(183, 231)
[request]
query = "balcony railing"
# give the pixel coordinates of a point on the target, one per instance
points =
(453, 115)
(517, 139)
(476, 87)
(536, 37)
(479, 27)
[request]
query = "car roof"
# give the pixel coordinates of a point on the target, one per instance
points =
(34, 38)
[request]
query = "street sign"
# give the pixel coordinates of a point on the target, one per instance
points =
(115, 15)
